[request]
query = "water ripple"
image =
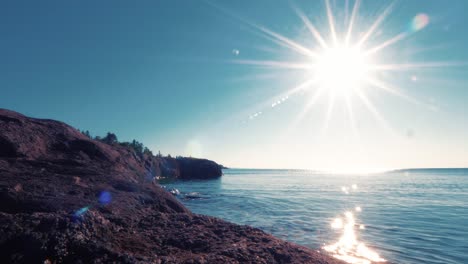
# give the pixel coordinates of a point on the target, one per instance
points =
(409, 217)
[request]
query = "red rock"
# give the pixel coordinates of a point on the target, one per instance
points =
(52, 180)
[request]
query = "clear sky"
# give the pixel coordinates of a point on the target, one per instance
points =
(215, 79)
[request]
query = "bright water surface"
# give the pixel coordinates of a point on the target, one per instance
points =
(415, 216)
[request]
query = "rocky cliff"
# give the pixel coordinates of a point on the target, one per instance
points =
(68, 199)
(186, 168)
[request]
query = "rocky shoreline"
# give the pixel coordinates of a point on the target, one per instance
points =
(66, 198)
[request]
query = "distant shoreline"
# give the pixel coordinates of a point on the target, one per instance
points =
(353, 173)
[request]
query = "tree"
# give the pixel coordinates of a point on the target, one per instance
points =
(86, 133)
(137, 146)
(110, 138)
(147, 151)
(125, 144)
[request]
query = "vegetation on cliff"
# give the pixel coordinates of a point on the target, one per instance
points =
(186, 168)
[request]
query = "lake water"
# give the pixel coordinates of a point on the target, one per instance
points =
(413, 216)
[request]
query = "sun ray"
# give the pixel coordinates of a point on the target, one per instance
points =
(351, 22)
(259, 76)
(300, 87)
(286, 41)
(275, 64)
(277, 38)
(428, 48)
(391, 90)
(375, 25)
(331, 104)
(311, 28)
(349, 107)
(387, 43)
(331, 21)
(271, 102)
(290, 92)
(308, 106)
(370, 106)
(406, 66)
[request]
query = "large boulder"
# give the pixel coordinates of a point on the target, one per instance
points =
(65, 198)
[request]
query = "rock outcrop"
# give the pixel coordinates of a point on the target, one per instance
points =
(68, 199)
(191, 168)
(185, 168)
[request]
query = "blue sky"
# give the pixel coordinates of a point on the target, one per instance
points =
(166, 73)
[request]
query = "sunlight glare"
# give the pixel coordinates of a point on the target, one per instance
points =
(337, 223)
(349, 248)
(341, 69)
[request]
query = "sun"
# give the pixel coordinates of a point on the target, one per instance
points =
(344, 64)
(341, 69)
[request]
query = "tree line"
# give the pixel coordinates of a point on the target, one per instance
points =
(111, 139)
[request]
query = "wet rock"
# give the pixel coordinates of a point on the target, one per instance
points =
(194, 196)
(174, 191)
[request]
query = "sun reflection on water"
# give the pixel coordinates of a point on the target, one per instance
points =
(349, 248)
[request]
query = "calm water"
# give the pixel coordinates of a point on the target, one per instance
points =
(416, 216)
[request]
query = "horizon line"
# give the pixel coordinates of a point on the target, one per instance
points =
(328, 171)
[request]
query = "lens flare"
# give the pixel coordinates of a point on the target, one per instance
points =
(81, 211)
(419, 22)
(105, 197)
